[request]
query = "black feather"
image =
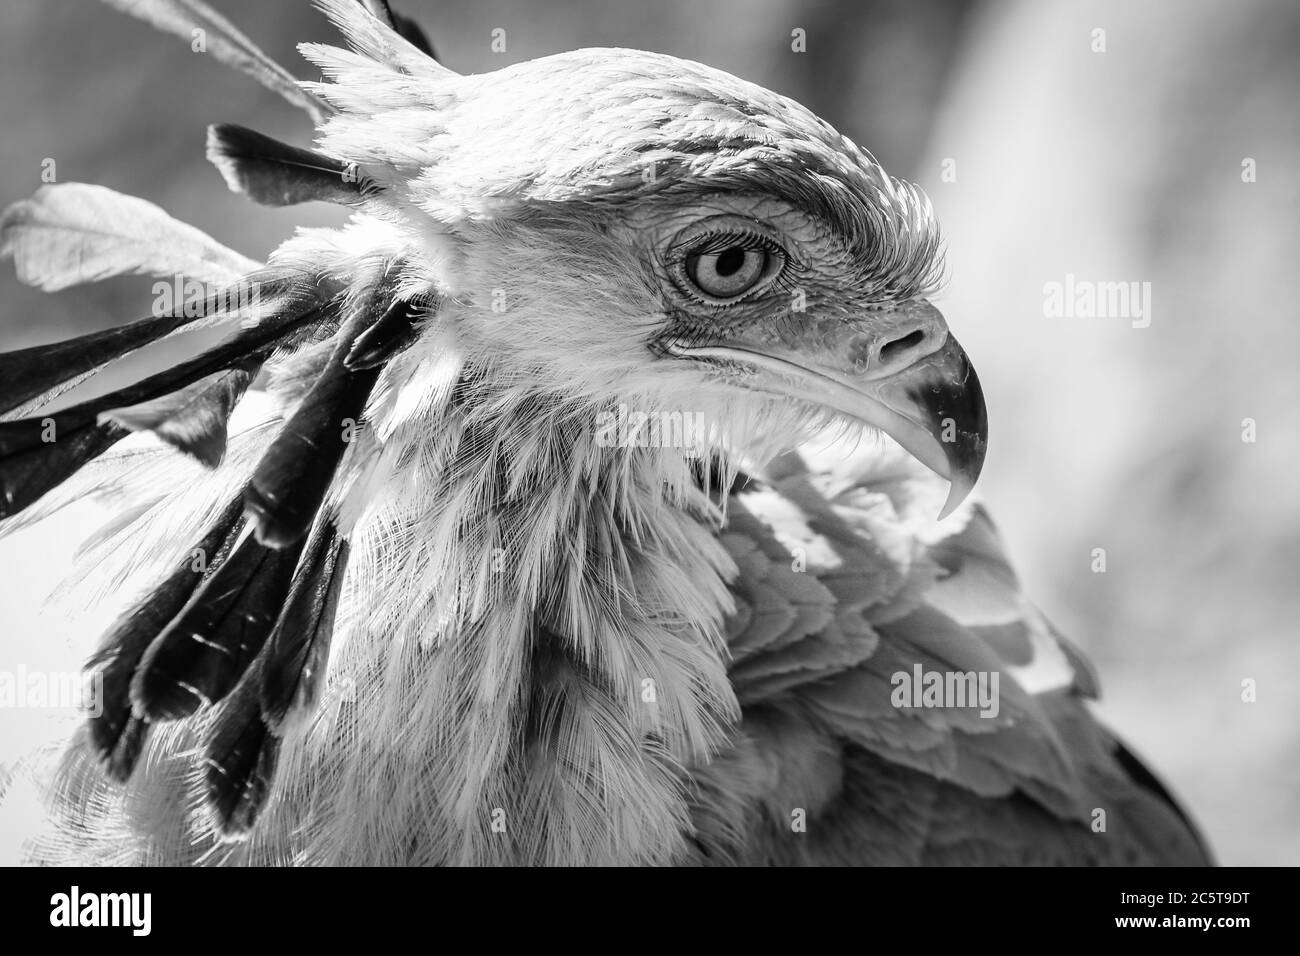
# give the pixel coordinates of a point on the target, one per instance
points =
(31, 463)
(291, 479)
(29, 466)
(201, 655)
(115, 733)
(195, 419)
(277, 174)
(121, 760)
(290, 482)
(414, 34)
(409, 30)
(247, 344)
(298, 648)
(240, 760)
(394, 331)
(244, 742)
(33, 375)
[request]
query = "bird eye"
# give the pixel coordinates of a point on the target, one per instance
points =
(724, 268)
(727, 273)
(722, 260)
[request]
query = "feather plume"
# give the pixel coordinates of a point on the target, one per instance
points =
(382, 39)
(223, 41)
(71, 233)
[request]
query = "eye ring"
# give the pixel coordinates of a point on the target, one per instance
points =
(725, 260)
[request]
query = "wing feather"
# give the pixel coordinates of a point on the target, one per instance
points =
(886, 591)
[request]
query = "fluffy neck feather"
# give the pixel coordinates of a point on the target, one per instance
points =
(531, 647)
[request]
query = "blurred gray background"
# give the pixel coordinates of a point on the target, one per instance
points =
(1122, 165)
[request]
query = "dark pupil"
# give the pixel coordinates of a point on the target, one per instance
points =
(730, 261)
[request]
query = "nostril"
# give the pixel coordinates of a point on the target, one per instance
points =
(891, 352)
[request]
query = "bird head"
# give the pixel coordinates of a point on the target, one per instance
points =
(631, 228)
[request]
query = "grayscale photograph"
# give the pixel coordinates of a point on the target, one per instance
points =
(799, 433)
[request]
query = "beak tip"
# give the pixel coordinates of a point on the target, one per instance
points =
(964, 468)
(959, 489)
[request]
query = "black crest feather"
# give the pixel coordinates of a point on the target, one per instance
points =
(29, 377)
(194, 419)
(115, 733)
(299, 646)
(244, 623)
(387, 337)
(38, 453)
(239, 760)
(290, 481)
(276, 174)
(200, 656)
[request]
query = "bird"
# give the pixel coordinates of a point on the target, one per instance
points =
(600, 493)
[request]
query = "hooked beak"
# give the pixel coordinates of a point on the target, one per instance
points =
(897, 369)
